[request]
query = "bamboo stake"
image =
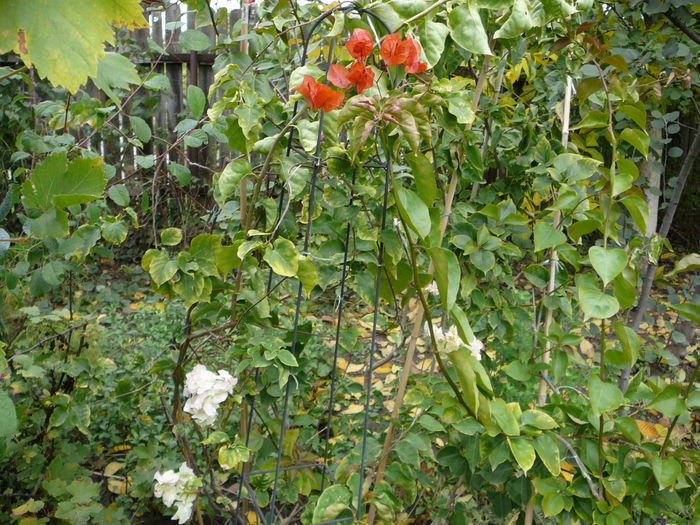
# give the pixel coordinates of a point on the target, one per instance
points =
(553, 260)
(246, 8)
(418, 318)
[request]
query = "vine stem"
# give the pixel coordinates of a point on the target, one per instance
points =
(421, 307)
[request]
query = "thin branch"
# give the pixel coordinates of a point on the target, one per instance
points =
(581, 466)
(680, 25)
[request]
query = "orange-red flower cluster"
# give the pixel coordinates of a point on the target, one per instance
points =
(319, 95)
(359, 46)
(394, 51)
(406, 52)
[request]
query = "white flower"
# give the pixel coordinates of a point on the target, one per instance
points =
(475, 347)
(432, 288)
(166, 486)
(206, 391)
(446, 342)
(450, 341)
(179, 488)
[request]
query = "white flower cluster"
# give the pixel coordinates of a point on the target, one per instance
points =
(206, 391)
(432, 289)
(450, 341)
(178, 488)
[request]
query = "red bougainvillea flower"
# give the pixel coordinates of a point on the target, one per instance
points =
(361, 75)
(394, 51)
(338, 76)
(413, 63)
(319, 95)
(360, 44)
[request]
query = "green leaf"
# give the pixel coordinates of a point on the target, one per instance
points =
(424, 174)
(518, 371)
(52, 224)
(447, 275)
(161, 267)
(552, 504)
(192, 288)
(572, 167)
(548, 450)
(119, 193)
(617, 488)
(307, 273)
(204, 249)
(594, 302)
(484, 260)
(636, 113)
(431, 424)
(8, 416)
(56, 183)
(233, 456)
(283, 258)
(517, 23)
(688, 310)
(114, 231)
(669, 401)
(604, 396)
(115, 71)
(413, 210)
(432, 37)
(628, 340)
(638, 138)
(194, 40)
(331, 503)
(467, 30)
(461, 108)
(249, 118)
(63, 50)
(229, 179)
(547, 237)
(196, 100)
(523, 452)
(629, 428)
(227, 259)
(538, 419)
(171, 236)
(666, 471)
(608, 263)
(466, 378)
(593, 119)
(287, 358)
(638, 210)
(587, 87)
(505, 418)
(688, 263)
(141, 129)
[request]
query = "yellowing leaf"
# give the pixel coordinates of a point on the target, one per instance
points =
(64, 39)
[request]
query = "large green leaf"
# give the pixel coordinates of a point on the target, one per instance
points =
(447, 275)
(54, 182)
(628, 340)
(594, 302)
(688, 310)
(608, 263)
(52, 224)
(517, 23)
(331, 503)
(523, 452)
(115, 71)
(604, 396)
(413, 210)
(547, 236)
(424, 174)
(196, 100)
(505, 418)
(64, 39)
(432, 36)
(548, 450)
(283, 257)
(669, 401)
(638, 138)
(666, 471)
(8, 416)
(467, 30)
(229, 179)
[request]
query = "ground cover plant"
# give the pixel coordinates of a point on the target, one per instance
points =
(427, 275)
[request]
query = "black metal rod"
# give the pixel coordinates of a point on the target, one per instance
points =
(372, 348)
